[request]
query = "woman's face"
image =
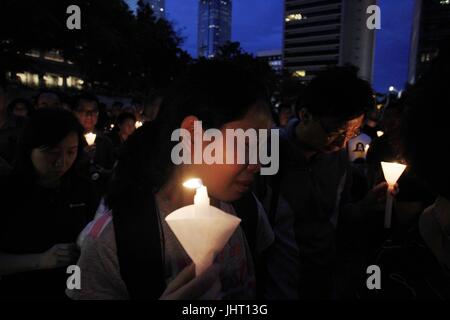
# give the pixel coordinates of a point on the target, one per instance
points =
(228, 182)
(53, 163)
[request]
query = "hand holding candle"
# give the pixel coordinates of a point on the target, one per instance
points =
(203, 230)
(392, 172)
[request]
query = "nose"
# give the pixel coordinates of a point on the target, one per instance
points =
(60, 162)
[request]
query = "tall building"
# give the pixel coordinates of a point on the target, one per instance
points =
(214, 26)
(323, 33)
(158, 7)
(431, 28)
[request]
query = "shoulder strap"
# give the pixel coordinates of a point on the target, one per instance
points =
(138, 240)
(247, 210)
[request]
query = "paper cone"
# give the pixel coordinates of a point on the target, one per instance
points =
(392, 171)
(202, 234)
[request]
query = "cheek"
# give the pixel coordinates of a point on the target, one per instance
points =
(220, 180)
(41, 162)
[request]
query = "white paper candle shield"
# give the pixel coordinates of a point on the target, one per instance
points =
(90, 138)
(202, 235)
(202, 230)
(392, 172)
(138, 124)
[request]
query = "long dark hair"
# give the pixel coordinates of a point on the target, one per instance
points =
(45, 129)
(216, 92)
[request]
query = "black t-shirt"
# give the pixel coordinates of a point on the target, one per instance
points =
(32, 220)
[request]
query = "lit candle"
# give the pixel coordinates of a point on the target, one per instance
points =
(201, 199)
(380, 133)
(90, 138)
(138, 124)
(392, 172)
(202, 229)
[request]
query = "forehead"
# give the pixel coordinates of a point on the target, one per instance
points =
(87, 105)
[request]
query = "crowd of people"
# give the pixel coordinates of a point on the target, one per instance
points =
(308, 232)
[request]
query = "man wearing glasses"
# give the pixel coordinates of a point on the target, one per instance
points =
(309, 195)
(100, 156)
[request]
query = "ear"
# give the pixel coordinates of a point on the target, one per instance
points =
(304, 115)
(188, 124)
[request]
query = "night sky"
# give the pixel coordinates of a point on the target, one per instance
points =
(257, 25)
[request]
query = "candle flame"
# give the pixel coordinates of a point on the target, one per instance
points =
(194, 183)
(138, 124)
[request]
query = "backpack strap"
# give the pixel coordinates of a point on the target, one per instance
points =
(138, 240)
(247, 210)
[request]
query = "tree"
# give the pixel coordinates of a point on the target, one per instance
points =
(232, 51)
(115, 49)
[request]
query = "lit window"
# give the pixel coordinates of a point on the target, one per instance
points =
(299, 74)
(33, 53)
(28, 79)
(74, 82)
(295, 17)
(54, 56)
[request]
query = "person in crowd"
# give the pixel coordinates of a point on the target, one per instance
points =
(100, 155)
(152, 105)
(48, 99)
(45, 205)
(10, 128)
(416, 264)
(125, 126)
(116, 110)
(137, 255)
(20, 107)
(138, 107)
(285, 114)
(310, 194)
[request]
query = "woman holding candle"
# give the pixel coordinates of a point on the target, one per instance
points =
(148, 187)
(45, 205)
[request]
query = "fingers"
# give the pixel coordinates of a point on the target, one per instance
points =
(198, 286)
(201, 284)
(380, 188)
(186, 275)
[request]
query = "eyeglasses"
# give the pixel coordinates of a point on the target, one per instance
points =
(334, 131)
(88, 113)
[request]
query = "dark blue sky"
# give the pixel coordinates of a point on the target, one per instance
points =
(257, 25)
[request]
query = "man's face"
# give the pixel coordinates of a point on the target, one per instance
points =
(87, 113)
(328, 135)
(48, 100)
